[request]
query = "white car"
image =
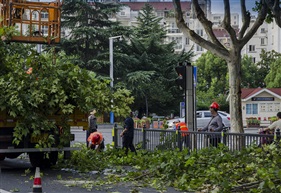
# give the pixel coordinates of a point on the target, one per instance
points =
(203, 118)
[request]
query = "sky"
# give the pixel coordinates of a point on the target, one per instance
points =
(217, 6)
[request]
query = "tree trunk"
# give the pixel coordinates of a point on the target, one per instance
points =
(234, 67)
(146, 106)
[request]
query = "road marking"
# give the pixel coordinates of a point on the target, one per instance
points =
(4, 191)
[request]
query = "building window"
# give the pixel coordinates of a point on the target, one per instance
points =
(44, 30)
(263, 30)
(122, 13)
(44, 15)
(199, 48)
(160, 14)
(186, 41)
(253, 59)
(270, 107)
(217, 17)
(252, 48)
(276, 107)
(199, 32)
(251, 109)
(178, 42)
(262, 41)
(263, 107)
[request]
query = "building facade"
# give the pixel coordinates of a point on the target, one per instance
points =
(268, 36)
(260, 103)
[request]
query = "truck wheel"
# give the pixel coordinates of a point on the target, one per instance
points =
(36, 159)
(39, 159)
(53, 157)
(2, 157)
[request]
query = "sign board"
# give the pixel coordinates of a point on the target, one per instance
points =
(263, 99)
(182, 109)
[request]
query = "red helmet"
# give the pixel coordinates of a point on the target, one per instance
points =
(215, 105)
(96, 138)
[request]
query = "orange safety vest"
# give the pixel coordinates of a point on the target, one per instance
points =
(183, 127)
(91, 138)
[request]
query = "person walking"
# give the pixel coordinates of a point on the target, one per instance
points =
(92, 124)
(96, 141)
(128, 134)
(214, 125)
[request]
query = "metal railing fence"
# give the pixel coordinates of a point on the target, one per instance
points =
(159, 139)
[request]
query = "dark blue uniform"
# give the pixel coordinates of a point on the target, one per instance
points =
(128, 135)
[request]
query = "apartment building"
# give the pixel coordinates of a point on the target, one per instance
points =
(268, 36)
(165, 10)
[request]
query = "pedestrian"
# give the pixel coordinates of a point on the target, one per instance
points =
(274, 125)
(92, 125)
(128, 134)
(96, 141)
(214, 125)
(270, 130)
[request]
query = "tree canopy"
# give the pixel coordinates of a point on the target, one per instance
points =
(52, 85)
(146, 66)
(238, 40)
(88, 29)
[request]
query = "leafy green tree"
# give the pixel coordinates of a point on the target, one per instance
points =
(267, 59)
(266, 9)
(212, 78)
(250, 73)
(147, 68)
(89, 31)
(51, 87)
(273, 79)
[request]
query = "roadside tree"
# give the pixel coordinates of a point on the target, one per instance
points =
(147, 66)
(88, 29)
(33, 95)
(273, 79)
(238, 40)
(212, 78)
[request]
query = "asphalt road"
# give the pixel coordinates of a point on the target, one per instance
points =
(16, 175)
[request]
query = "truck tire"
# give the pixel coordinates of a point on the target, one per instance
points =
(2, 157)
(39, 159)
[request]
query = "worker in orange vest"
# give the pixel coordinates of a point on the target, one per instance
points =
(96, 139)
(182, 127)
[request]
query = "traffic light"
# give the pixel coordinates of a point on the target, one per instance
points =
(181, 79)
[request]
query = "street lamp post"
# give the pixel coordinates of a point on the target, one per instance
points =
(111, 69)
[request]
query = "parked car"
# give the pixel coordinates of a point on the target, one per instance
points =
(203, 118)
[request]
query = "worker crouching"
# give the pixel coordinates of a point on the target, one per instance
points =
(96, 141)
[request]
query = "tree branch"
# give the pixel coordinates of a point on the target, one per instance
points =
(226, 23)
(275, 8)
(246, 18)
(218, 50)
(259, 21)
(205, 22)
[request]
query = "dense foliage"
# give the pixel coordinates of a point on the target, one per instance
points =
(88, 28)
(253, 169)
(147, 64)
(212, 77)
(53, 85)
